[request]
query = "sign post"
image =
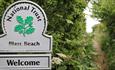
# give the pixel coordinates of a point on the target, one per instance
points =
(24, 24)
(27, 61)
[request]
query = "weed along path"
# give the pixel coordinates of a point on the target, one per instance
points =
(101, 56)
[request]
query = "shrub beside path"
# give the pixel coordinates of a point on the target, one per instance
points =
(101, 59)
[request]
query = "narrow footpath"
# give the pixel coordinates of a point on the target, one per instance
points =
(101, 56)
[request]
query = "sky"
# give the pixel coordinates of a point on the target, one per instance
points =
(90, 22)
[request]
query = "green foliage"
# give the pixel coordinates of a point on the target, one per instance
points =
(20, 19)
(66, 23)
(25, 26)
(101, 33)
(3, 5)
(67, 26)
(105, 11)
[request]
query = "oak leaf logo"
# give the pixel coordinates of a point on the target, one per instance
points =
(25, 26)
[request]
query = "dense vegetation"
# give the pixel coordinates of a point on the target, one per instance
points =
(72, 49)
(72, 46)
(105, 11)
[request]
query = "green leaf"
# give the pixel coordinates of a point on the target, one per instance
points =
(21, 32)
(30, 30)
(69, 21)
(29, 20)
(20, 19)
(30, 24)
(18, 28)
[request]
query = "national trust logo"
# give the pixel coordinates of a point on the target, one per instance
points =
(25, 27)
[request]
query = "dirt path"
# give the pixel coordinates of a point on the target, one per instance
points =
(101, 57)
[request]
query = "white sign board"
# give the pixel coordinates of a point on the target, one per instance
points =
(28, 62)
(24, 24)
